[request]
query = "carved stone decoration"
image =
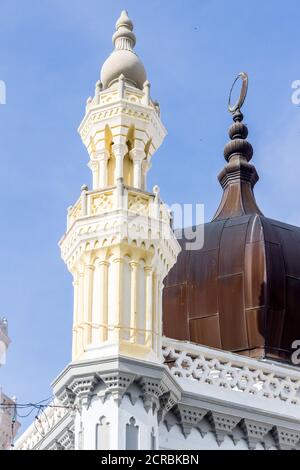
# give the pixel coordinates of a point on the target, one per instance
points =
(189, 417)
(117, 383)
(167, 402)
(58, 446)
(285, 439)
(68, 397)
(68, 439)
(152, 389)
(238, 434)
(222, 424)
(138, 204)
(254, 432)
(229, 372)
(170, 420)
(269, 441)
(102, 203)
(204, 426)
(83, 387)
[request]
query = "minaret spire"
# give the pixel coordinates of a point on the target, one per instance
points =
(119, 244)
(123, 60)
(124, 38)
(238, 177)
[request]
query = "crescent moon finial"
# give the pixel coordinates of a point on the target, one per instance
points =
(233, 108)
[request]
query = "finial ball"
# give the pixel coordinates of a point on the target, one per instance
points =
(156, 190)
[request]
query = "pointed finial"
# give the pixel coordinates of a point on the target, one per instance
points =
(124, 38)
(123, 60)
(238, 177)
(124, 20)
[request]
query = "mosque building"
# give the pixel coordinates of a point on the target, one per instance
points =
(172, 348)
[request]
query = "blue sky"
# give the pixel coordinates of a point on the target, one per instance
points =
(51, 52)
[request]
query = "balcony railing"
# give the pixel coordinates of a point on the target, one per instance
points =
(93, 203)
(229, 371)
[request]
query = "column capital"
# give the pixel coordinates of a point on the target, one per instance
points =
(90, 267)
(119, 260)
(133, 264)
(120, 147)
(93, 165)
(102, 154)
(137, 154)
(102, 263)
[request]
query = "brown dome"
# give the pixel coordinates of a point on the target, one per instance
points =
(241, 291)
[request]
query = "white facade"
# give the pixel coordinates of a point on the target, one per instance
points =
(204, 399)
(127, 387)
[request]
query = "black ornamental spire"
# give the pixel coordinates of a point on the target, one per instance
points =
(239, 176)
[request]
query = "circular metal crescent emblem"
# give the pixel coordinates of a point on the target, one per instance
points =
(244, 77)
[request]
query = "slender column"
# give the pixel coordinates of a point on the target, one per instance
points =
(134, 301)
(137, 155)
(119, 194)
(137, 174)
(146, 165)
(98, 87)
(159, 316)
(94, 167)
(84, 190)
(75, 316)
(103, 161)
(118, 304)
(88, 303)
(103, 287)
(146, 90)
(155, 317)
(149, 305)
(121, 86)
(80, 346)
(120, 150)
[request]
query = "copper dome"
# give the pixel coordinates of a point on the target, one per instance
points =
(241, 291)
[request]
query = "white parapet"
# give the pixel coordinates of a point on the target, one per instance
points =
(226, 371)
(201, 398)
(49, 421)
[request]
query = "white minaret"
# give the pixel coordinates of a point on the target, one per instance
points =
(119, 246)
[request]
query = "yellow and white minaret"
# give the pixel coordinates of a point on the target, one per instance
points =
(119, 243)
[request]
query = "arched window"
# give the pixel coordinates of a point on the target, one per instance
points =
(132, 435)
(103, 434)
(153, 440)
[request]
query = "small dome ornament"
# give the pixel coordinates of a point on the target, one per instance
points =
(123, 60)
